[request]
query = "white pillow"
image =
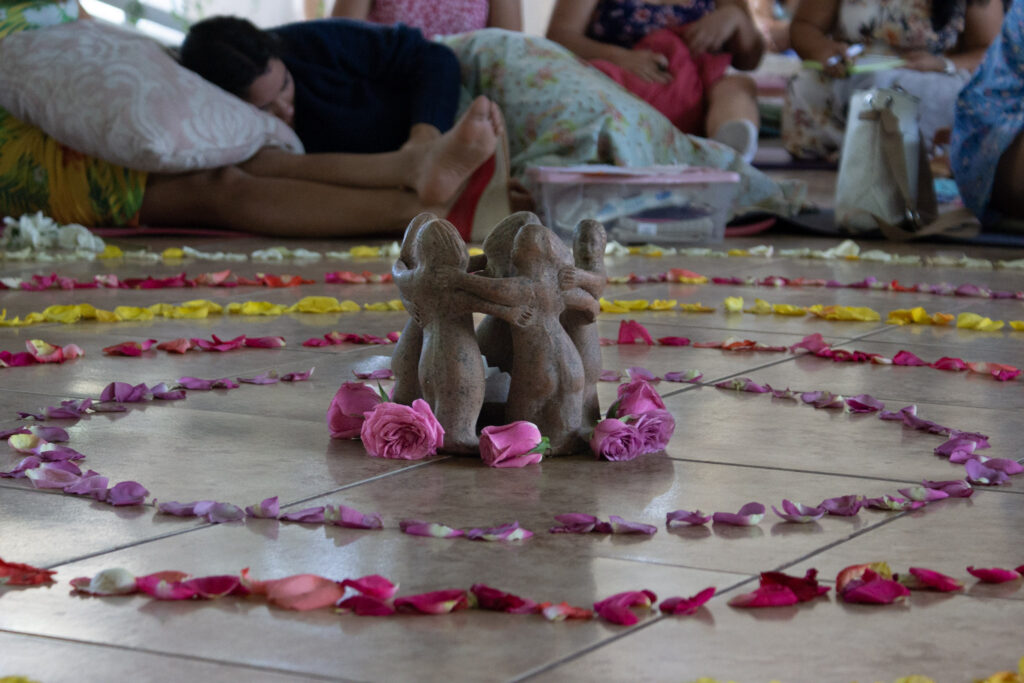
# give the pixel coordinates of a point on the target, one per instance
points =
(119, 96)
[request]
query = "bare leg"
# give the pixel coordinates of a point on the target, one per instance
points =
(1008, 186)
(731, 98)
(435, 169)
(231, 198)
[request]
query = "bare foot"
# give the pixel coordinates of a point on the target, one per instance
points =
(450, 161)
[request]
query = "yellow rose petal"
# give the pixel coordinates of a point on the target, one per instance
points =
(1017, 325)
(663, 304)
(973, 321)
(733, 304)
(738, 252)
(364, 252)
(257, 308)
(131, 313)
(609, 307)
(63, 314)
(110, 251)
(171, 253)
(633, 304)
(108, 316)
(696, 308)
(788, 309)
(760, 307)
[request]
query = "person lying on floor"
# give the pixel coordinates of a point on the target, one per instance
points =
(418, 169)
(436, 17)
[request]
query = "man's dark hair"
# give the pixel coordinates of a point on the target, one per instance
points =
(229, 52)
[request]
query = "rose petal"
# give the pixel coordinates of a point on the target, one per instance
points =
(167, 585)
(616, 608)
(374, 586)
(770, 595)
(382, 373)
(799, 513)
(53, 475)
(994, 574)
(122, 392)
(921, 578)
(575, 523)
(689, 376)
(499, 601)
(750, 514)
(630, 331)
(616, 440)
(176, 345)
(864, 404)
(114, 581)
(298, 376)
(686, 518)
(610, 376)
(415, 527)
(511, 445)
(350, 518)
(17, 574)
(506, 532)
(876, 591)
(268, 508)
(264, 342)
(679, 605)
(435, 602)
(365, 606)
(177, 509)
(127, 493)
(269, 377)
(161, 392)
(94, 486)
(743, 384)
(843, 506)
(313, 515)
(922, 493)
(563, 611)
(980, 474)
(956, 488)
(301, 592)
(655, 427)
(621, 526)
(805, 588)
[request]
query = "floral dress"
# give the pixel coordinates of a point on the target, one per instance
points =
(37, 173)
(815, 109)
(433, 17)
(559, 111)
(625, 22)
(989, 115)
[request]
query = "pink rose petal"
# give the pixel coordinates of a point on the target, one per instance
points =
(994, 574)
(636, 397)
(374, 586)
(92, 485)
(301, 592)
(864, 404)
(743, 384)
(982, 475)
(688, 376)
(167, 585)
(161, 392)
(176, 345)
(805, 588)
(506, 532)
(575, 523)
(750, 514)
(435, 602)
(843, 506)
(499, 601)
(350, 518)
(177, 509)
(213, 587)
(610, 376)
(621, 526)
(347, 411)
(53, 475)
(769, 595)
(617, 608)
(799, 513)
(630, 331)
(297, 376)
(365, 606)
(874, 590)
(127, 493)
(679, 605)
(269, 508)
(922, 494)
(383, 373)
(686, 518)
(955, 488)
(674, 341)
(264, 342)
(269, 377)
(891, 503)
(415, 527)
(313, 515)
(928, 579)
(563, 611)
(907, 358)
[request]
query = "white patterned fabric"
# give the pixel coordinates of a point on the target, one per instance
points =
(119, 96)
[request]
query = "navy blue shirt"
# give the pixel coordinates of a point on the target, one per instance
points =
(360, 87)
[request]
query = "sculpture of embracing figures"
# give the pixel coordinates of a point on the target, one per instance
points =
(540, 309)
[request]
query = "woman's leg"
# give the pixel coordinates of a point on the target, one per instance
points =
(234, 199)
(435, 170)
(1008, 185)
(731, 98)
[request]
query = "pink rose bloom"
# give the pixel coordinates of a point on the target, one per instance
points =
(345, 416)
(615, 440)
(510, 445)
(402, 432)
(638, 397)
(655, 427)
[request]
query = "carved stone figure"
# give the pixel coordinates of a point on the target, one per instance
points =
(547, 373)
(405, 361)
(589, 241)
(450, 368)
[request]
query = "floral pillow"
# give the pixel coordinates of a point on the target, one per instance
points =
(119, 96)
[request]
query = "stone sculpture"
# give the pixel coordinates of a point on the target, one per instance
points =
(541, 303)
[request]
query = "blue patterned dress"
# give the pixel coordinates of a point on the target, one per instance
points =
(624, 22)
(990, 113)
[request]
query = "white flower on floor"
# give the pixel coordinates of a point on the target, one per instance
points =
(41, 233)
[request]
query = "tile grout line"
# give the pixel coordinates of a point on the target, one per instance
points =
(171, 655)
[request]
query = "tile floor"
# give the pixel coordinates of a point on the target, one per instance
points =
(245, 445)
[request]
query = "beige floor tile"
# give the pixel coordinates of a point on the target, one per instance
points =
(945, 638)
(62, 661)
(463, 646)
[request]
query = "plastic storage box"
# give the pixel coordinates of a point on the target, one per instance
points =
(671, 205)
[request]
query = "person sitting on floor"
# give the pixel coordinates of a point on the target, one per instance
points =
(681, 70)
(436, 17)
(989, 126)
(940, 44)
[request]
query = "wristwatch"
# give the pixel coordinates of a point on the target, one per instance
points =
(949, 68)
